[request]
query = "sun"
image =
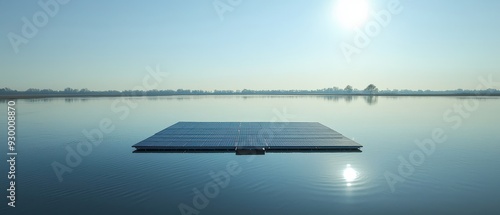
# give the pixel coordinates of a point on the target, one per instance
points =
(352, 13)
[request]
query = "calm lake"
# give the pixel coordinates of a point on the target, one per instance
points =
(420, 155)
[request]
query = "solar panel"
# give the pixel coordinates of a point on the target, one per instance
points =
(231, 136)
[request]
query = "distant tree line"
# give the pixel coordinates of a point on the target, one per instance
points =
(348, 90)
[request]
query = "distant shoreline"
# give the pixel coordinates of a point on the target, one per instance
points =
(34, 96)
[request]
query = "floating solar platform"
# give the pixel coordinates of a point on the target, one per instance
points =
(247, 138)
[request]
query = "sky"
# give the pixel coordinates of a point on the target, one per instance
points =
(243, 44)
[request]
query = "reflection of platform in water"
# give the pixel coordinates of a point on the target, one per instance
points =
(247, 138)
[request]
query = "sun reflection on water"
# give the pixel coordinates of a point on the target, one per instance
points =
(350, 174)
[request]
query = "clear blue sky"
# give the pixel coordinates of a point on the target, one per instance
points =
(260, 44)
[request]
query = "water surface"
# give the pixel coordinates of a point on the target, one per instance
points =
(459, 176)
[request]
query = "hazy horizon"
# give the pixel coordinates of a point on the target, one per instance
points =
(255, 45)
(483, 88)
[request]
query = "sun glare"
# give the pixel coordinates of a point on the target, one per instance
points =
(352, 13)
(350, 174)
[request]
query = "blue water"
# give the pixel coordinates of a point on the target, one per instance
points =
(458, 176)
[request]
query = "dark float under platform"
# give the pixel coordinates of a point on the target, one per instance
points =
(247, 138)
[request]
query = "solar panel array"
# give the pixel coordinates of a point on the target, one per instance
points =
(241, 135)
